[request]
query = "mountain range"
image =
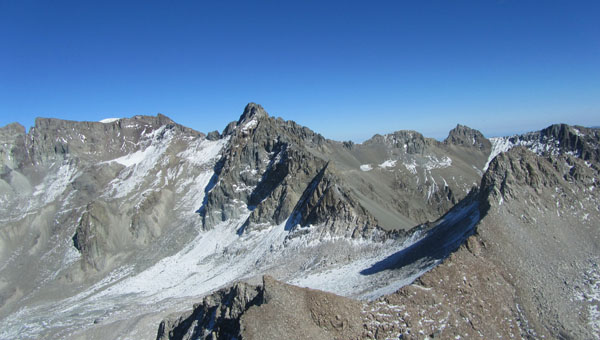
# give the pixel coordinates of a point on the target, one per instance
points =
(142, 228)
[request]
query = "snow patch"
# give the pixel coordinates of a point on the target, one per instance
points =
(578, 133)
(249, 125)
(192, 271)
(55, 183)
(109, 120)
(412, 167)
(436, 163)
(499, 145)
(366, 167)
(140, 163)
(388, 164)
(203, 151)
(347, 280)
(590, 295)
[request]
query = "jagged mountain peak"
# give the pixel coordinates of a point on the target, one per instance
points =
(465, 136)
(414, 141)
(557, 130)
(251, 111)
(513, 172)
(248, 119)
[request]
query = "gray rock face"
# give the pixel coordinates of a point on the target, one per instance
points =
(13, 156)
(52, 139)
(539, 227)
(326, 203)
(581, 141)
(216, 317)
(414, 141)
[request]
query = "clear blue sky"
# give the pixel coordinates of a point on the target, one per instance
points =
(347, 69)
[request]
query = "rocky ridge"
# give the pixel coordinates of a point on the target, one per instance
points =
(272, 310)
(270, 164)
(107, 226)
(556, 139)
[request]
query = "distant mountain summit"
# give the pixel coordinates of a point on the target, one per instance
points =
(465, 136)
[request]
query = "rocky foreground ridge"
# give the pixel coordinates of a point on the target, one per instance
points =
(105, 228)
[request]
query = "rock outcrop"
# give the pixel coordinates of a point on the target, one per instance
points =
(216, 317)
(273, 310)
